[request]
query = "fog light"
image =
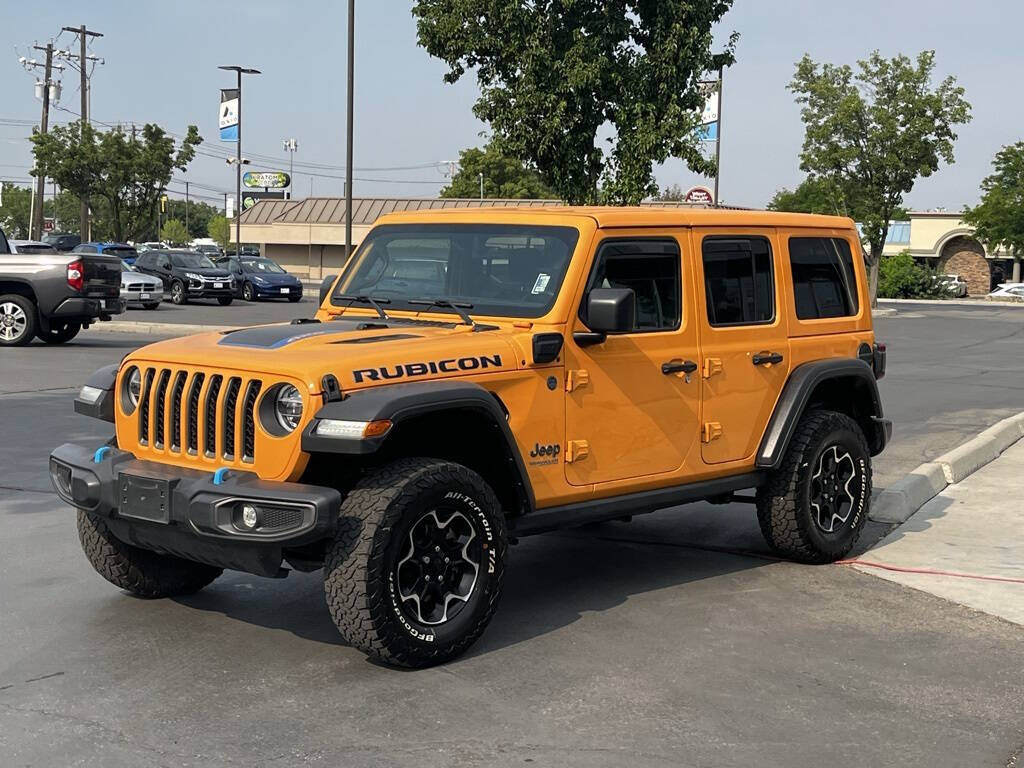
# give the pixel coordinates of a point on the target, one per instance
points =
(61, 477)
(249, 516)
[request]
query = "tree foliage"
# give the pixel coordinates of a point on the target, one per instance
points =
(504, 177)
(219, 229)
(999, 218)
(553, 73)
(901, 277)
(125, 171)
(199, 214)
(672, 193)
(873, 133)
(17, 206)
(173, 232)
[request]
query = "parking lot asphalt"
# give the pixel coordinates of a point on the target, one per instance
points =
(670, 641)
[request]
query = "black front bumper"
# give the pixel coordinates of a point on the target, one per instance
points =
(193, 514)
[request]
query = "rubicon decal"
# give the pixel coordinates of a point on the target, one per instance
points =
(410, 370)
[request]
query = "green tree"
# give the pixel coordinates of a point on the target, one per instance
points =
(173, 231)
(199, 214)
(14, 212)
(219, 228)
(900, 277)
(125, 171)
(504, 177)
(552, 74)
(874, 132)
(999, 218)
(672, 193)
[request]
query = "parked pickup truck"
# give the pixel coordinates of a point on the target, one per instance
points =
(53, 296)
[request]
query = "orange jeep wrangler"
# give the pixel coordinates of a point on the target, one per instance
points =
(477, 375)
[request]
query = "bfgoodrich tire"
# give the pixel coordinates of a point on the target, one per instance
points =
(814, 506)
(139, 571)
(415, 571)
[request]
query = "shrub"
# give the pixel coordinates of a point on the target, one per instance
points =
(900, 277)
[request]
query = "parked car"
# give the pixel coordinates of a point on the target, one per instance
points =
(62, 241)
(123, 251)
(188, 275)
(207, 249)
(53, 295)
(1008, 291)
(259, 278)
(139, 288)
(954, 284)
(31, 246)
(142, 247)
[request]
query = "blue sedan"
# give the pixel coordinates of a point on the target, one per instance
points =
(258, 277)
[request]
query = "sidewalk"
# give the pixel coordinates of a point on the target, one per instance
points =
(974, 528)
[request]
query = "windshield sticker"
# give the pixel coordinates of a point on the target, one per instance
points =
(541, 283)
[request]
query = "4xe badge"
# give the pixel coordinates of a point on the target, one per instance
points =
(542, 455)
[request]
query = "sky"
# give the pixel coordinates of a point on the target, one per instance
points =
(161, 59)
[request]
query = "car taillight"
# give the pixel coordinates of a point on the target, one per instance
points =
(76, 275)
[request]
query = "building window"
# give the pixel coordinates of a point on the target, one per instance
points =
(824, 281)
(738, 280)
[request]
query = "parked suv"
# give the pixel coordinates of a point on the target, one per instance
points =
(123, 251)
(188, 275)
(53, 295)
(572, 366)
(62, 241)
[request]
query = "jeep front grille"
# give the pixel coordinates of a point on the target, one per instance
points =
(194, 415)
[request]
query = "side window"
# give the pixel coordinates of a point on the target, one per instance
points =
(163, 262)
(738, 280)
(824, 281)
(652, 269)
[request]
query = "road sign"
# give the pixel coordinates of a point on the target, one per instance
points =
(266, 179)
(49, 224)
(699, 195)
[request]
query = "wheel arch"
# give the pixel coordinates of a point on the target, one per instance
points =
(844, 385)
(456, 421)
(19, 288)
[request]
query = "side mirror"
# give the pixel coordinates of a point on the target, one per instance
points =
(325, 286)
(609, 310)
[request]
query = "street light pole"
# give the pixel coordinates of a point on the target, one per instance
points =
(291, 145)
(349, 124)
(238, 161)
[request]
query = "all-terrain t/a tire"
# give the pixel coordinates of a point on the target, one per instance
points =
(814, 506)
(139, 571)
(414, 574)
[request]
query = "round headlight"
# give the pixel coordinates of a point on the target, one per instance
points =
(133, 388)
(288, 407)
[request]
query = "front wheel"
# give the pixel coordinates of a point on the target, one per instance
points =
(414, 574)
(247, 292)
(151, 305)
(814, 506)
(224, 300)
(294, 299)
(178, 293)
(60, 333)
(139, 571)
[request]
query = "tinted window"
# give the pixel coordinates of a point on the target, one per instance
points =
(191, 261)
(84, 249)
(824, 281)
(4, 247)
(36, 248)
(501, 269)
(121, 252)
(651, 269)
(738, 280)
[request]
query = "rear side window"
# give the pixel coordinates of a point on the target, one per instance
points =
(738, 280)
(824, 281)
(651, 269)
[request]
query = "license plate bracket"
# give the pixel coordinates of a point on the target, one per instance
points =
(144, 498)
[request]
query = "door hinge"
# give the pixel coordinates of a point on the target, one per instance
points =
(712, 365)
(576, 379)
(712, 430)
(576, 450)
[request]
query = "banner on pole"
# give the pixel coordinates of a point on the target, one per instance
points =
(708, 130)
(228, 117)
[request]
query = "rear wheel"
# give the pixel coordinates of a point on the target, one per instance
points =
(814, 506)
(414, 574)
(60, 333)
(178, 293)
(139, 571)
(17, 320)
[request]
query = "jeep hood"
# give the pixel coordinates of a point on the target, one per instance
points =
(359, 351)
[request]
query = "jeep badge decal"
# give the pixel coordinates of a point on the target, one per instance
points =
(422, 369)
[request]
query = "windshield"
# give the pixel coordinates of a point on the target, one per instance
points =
(502, 270)
(121, 252)
(35, 248)
(191, 261)
(261, 265)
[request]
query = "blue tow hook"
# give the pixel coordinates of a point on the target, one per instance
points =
(101, 453)
(219, 475)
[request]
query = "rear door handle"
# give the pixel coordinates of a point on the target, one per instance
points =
(687, 366)
(766, 358)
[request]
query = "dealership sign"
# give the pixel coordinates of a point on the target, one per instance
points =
(699, 195)
(249, 199)
(228, 116)
(266, 180)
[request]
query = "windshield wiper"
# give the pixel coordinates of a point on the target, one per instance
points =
(458, 307)
(373, 301)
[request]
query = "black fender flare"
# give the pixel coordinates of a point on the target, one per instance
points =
(400, 402)
(796, 396)
(103, 379)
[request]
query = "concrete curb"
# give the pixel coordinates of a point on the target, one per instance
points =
(883, 312)
(957, 302)
(897, 503)
(160, 329)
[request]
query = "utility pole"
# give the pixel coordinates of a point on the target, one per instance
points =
(481, 185)
(349, 124)
(186, 210)
(83, 59)
(36, 225)
(238, 161)
(291, 145)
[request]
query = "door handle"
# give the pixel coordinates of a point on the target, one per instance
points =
(767, 358)
(687, 366)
